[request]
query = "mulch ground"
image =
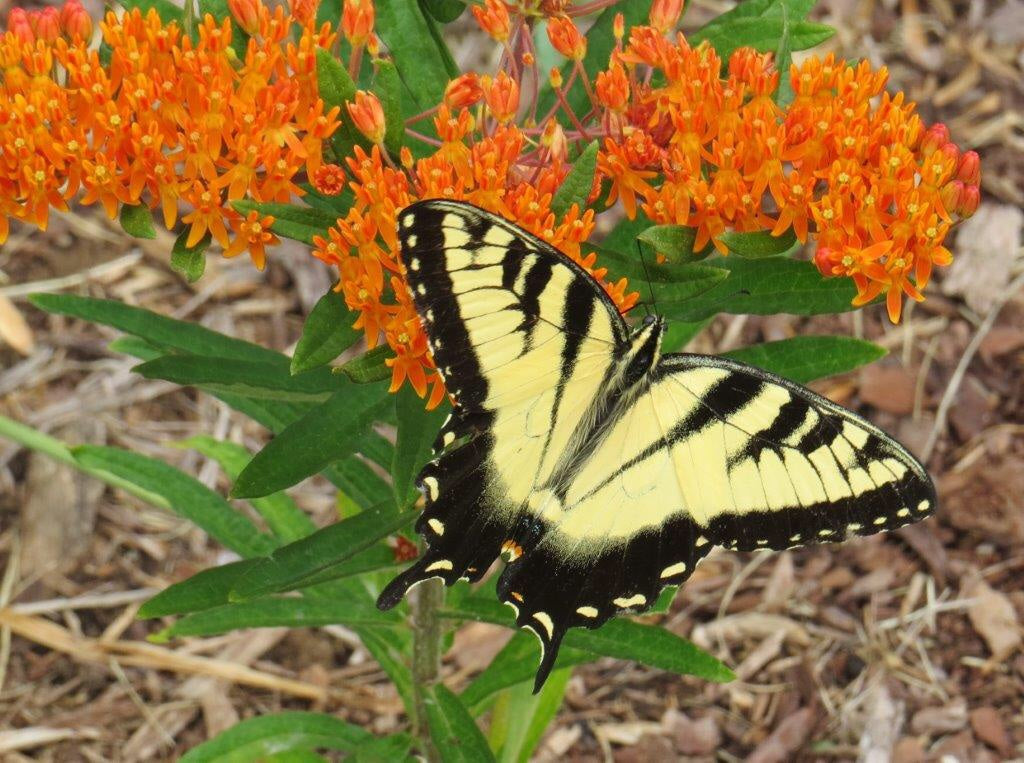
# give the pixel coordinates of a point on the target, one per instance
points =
(905, 646)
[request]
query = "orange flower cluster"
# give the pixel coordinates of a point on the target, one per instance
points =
(491, 171)
(166, 121)
(874, 187)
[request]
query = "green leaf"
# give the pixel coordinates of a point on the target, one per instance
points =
(519, 717)
(768, 286)
(137, 221)
(452, 729)
(159, 330)
(190, 262)
(286, 520)
(290, 612)
(338, 89)
(167, 10)
(325, 434)
(444, 11)
(290, 220)
(390, 749)
(675, 242)
(269, 381)
(760, 244)
(204, 590)
(368, 367)
(388, 87)
(600, 43)
(674, 287)
(289, 565)
(625, 639)
(805, 358)
(421, 57)
(575, 189)
(266, 734)
(182, 494)
(417, 429)
(679, 333)
(391, 650)
(762, 31)
(515, 664)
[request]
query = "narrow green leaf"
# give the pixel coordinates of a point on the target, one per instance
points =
(421, 57)
(190, 262)
(368, 367)
(390, 749)
(760, 244)
(388, 87)
(805, 358)
(417, 429)
(204, 590)
(284, 518)
(158, 329)
(675, 242)
(337, 89)
(452, 729)
(575, 189)
(520, 717)
(515, 664)
(338, 205)
(391, 650)
(444, 11)
(768, 286)
(183, 494)
(625, 639)
(291, 612)
(290, 564)
(290, 220)
(258, 380)
(137, 221)
(266, 734)
(763, 34)
(325, 434)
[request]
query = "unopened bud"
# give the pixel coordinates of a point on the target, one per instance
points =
(969, 201)
(494, 19)
(935, 137)
(969, 170)
(566, 38)
(368, 116)
(463, 91)
(665, 14)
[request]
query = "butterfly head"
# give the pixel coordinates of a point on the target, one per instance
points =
(643, 350)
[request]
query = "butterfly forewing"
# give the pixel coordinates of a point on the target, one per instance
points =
(603, 491)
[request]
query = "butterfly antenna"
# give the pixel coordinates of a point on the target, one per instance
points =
(647, 274)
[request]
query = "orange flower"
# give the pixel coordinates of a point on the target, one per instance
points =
(463, 91)
(665, 14)
(368, 115)
(329, 179)
(357, 17)
(493, 18)
(252, 235)
(502, 96)
(566, 38)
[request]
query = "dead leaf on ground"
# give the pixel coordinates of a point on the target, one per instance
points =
(788, 737)
(994, 618)
(986, 245)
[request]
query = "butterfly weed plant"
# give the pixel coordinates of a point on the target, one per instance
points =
(715, 159)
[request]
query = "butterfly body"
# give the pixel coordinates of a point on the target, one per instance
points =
(602, 468)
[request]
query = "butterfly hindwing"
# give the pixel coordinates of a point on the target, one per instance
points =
(602, 469)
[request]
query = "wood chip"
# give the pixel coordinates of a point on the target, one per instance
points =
(787, 738)
(14, 329)
(941, 720)
(994, 618)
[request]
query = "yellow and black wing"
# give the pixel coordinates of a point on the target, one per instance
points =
(606, 470)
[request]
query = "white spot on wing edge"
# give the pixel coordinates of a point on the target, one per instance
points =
(674, 569)
(411, 241)
(414, 263)
(430, 483)
(904, 512)
(545, 620)
(881, 520)
(440, 564)
(587, 611)
(636, 600)
(436, 525)
(924, 505)
(408, 220)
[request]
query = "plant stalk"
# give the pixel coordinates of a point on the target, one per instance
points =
(426, 658)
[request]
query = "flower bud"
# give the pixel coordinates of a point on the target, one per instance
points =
(463, 91)
(935, 137)
(566, 38)
(503, 97)
(368, 116)
(19, 25)
(48, 24)
(494, 19)
(553, 138)
(969, 169)
(619, 27)
(952, 194)
(825, 259)
(304, 11)
(405, 156)
(247, 14)
(329, 179)
(555, 78)
(665, 14)
(357, 21)
(969, 201)
(612, 87)
(75, 21)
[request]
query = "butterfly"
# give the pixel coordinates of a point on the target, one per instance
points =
(602, 469)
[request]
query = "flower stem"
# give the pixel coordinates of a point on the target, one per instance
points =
(426, 658)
